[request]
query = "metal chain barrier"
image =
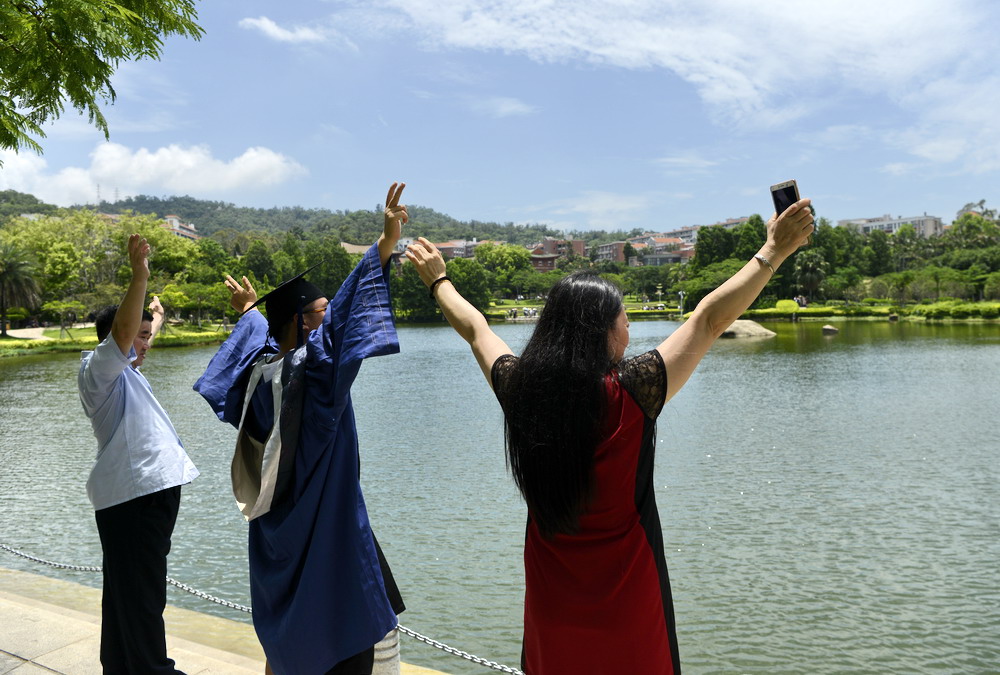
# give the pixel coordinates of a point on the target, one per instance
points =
(457, 652)
(243, 608)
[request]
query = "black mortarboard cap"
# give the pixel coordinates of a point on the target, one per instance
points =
(287, 300)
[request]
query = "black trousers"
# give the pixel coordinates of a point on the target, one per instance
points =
(359, 664)
(135, 538)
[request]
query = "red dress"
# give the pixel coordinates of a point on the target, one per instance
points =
(598, 601)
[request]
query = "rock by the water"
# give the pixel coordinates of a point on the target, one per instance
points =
(830, 330)
(747, 328)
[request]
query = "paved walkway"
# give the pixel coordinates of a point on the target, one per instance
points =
(30, 333)
(53, 626)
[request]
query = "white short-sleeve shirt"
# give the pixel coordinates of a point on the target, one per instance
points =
(138, 451)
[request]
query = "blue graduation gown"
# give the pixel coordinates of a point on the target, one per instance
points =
(318, 592)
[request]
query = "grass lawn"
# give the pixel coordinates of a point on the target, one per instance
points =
(84, 338)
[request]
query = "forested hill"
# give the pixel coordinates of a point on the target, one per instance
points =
(353, 226)
(229, 220)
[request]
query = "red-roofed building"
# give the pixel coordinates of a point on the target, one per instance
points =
(179, 228)
(461, 248)
(544, 262)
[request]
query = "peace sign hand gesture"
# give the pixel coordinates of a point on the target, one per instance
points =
(241, 295)
(395, 216)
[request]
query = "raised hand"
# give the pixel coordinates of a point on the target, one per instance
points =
(241, 296)
(792, 228)
(395, 213)
(427, 259)
(155, 308)
(138, 256)
(395, 216)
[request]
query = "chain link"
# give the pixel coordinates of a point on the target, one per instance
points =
(74, 568)
(457, 652)
(243, 608)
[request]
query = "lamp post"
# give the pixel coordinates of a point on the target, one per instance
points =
(659, 292)
(680, 301)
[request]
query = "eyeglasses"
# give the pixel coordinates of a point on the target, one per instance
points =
(317, 311)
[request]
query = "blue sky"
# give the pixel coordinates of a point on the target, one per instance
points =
(586, 114)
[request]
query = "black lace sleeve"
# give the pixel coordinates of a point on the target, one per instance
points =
(644, 377)
(501, 368)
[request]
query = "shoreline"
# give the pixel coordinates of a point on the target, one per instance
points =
(56, 624)
(22, 345)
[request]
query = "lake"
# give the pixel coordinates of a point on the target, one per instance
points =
(830, 504)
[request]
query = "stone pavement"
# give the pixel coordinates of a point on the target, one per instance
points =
(53, 626)
(30, 333)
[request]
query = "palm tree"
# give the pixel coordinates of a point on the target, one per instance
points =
(810, 270)
(18, 286)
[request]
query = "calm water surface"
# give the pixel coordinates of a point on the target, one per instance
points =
(830, 504)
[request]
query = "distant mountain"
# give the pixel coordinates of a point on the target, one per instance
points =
(14, 203)
(360, 226)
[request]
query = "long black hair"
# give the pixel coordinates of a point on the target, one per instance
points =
(553, 400)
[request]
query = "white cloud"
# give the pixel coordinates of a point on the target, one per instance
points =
(172, 169)
(500, 106)
(326, 35)
(837, 137)
(685, 163)
(900, 168)
(601, 209)
(764, 65)
(269, 28)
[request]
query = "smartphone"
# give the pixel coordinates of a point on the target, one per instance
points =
(784, 195)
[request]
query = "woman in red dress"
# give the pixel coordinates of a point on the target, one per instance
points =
(580, 423)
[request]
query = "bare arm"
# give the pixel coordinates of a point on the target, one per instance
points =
(395, 216)
(156, 309)
(467, 321)
(684, 349)
(128, 318)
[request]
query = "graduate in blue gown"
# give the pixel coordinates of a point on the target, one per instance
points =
(322, 592)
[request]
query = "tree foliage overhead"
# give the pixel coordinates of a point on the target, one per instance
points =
(55, 52)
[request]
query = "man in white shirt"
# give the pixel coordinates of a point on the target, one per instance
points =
(135, 482)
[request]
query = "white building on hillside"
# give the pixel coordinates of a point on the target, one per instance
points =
(926, 226)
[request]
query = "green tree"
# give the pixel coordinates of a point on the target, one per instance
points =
(973, 231)
(810, 270)
(68, 312)
(714, 244)
(17, 281)
(750, 236)
(906, 246)
(503, 261)
(519, 284)
(846, 283)
(876, 256)
(66, 51)
(62, 267)
(470, 278)
(700, 282)
(991, 288)
(258, 262)
(643, 280)
(211, 263)
(332, 262)
(213, 297)
(174, 300)
(14, 203)
(410, 297)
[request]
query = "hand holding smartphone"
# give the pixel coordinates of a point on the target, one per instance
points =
(784, 195)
